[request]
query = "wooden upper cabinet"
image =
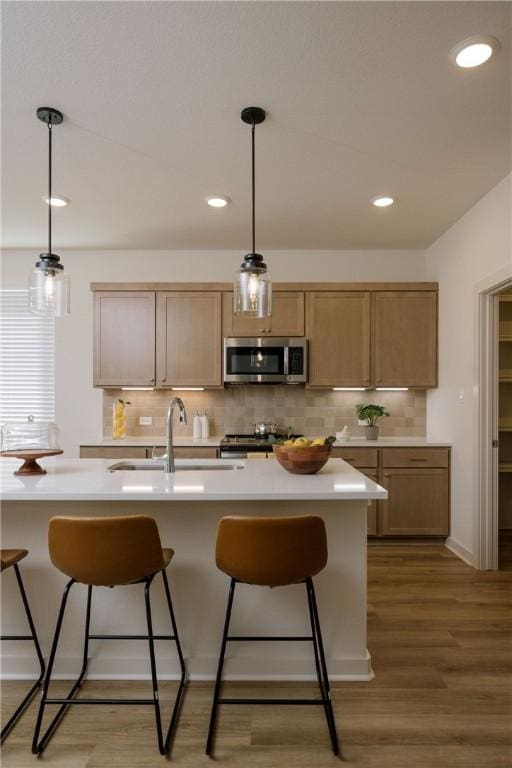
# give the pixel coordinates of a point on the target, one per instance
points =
(404, 340)
(124, 338)
(287, 317)
(338, 330)
(189, 339)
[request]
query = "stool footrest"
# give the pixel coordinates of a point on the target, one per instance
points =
(271, 639)
(99, 701)
(131, 637)
(16, 637)
(297, 702)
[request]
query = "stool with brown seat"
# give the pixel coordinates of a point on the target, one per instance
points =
(9, 558)
(274, 552)
(108, 552)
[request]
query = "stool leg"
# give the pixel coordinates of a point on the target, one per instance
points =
(28, 698)
(39, 746)
(213, 716)
(161, 745)
(319, 652)
(181, 688)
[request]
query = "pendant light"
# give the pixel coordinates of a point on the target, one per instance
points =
(49, 284)
(252, 296)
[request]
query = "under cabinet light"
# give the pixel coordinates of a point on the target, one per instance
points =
(349, 389)
(187, 389)
(391, 389)
(137, 389)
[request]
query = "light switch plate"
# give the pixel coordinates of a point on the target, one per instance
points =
(145, 421)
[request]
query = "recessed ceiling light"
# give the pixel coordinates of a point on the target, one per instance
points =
(474, 51)
(57, 201)
(218, 201)
(382, 201)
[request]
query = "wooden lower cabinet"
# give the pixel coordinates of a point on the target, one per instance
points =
(113, 452)
(144, 452)
(371, 525)
(418, 503)
(418, 484)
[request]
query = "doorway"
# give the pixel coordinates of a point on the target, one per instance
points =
(492, 544)
(504, 414)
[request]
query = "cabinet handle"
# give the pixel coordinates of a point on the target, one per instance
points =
(386, 474)
(417, 459)
(151, 381)
(163, 380)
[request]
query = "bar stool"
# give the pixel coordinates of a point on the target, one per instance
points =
(274, 552)
(10, 558)
(108, 552)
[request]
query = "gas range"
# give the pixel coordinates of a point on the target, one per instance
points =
(239, 445)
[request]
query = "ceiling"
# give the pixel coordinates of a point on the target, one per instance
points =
(362, 99)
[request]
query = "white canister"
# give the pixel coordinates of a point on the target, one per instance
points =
(205, 426)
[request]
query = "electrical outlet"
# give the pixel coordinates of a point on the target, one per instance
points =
(362, 423)
(145, 421)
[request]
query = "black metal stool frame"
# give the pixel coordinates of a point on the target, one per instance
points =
(39, 744)
(33, 636)
(321, 667)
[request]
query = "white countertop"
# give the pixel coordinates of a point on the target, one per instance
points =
(211, 442)
(390, 442)
(258, 479)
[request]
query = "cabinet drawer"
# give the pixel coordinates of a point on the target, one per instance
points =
(195, 453)
(358, 457)
(123, 452)
(415, 457)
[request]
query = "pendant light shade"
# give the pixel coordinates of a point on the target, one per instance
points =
(252, 285)
(48, 282)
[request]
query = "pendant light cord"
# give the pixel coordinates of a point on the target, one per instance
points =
(50, 188)
(253, 131)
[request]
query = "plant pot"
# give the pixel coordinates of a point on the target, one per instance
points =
(372, 433)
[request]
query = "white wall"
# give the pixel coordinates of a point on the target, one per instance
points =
(477, 247)
(79, 406)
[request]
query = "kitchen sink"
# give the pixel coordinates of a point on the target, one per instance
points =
(130, 466)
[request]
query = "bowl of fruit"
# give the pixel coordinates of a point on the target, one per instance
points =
(302, 456)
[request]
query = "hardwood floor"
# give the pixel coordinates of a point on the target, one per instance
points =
(440, 635)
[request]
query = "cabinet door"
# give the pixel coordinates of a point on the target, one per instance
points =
(338, 330)
(405, 338)
(124, 338)
(418, 502)
(189, 342)
(372, 506)
(287, 317)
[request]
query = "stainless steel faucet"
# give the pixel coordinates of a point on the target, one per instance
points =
(169, 459)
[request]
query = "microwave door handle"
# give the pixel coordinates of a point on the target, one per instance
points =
(286, 366)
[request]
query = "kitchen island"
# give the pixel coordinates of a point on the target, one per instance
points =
(187, 507)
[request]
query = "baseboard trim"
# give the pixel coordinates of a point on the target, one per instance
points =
(135, 668)
(454, 546)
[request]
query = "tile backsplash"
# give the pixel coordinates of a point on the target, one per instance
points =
(235, 409)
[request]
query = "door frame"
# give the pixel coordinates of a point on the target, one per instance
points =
(485, 512)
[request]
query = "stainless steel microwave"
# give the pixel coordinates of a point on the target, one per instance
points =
(265, 360)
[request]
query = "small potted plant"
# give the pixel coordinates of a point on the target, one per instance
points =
(371, 414)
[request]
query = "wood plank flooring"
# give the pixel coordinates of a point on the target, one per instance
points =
(440, 635)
